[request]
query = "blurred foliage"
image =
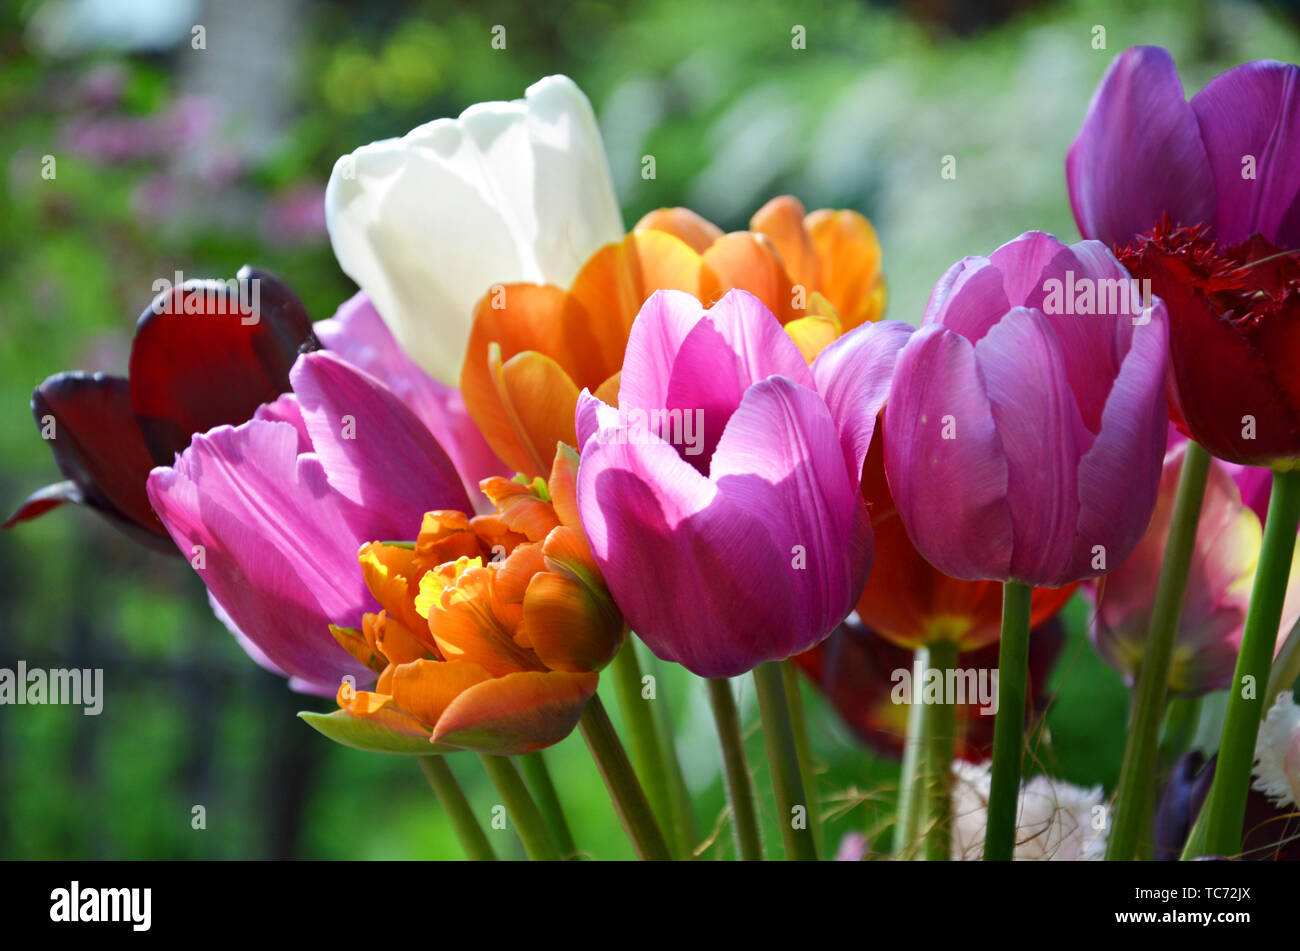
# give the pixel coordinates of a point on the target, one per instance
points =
(166, 162)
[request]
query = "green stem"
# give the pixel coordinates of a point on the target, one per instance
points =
(624, 788)
(735, 771)
(683, 821)
(907, 818)
(521, 808)
(1009, 726)
(1137, 772)
(453, 801)
(647, 753)
(1286, 668)
(938, 740)
(803, 749)
(1227, 802)
(787, 782)
(548, 801)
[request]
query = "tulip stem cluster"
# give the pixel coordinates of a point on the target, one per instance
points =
(783, 758)
(452, 799)
(1009, 727)
(625, 790)
(1246, 699)
(533, 831)
(807, 770)
(538, 776)
(647, 751)
(735, 771)
(1137, 773)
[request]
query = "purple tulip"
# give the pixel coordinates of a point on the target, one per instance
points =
(1027, 415)
(271, 512)
(721, 498)
(1227, 158)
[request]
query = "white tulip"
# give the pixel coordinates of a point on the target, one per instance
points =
(428, 223)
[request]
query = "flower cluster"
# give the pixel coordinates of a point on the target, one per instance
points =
(532, 436)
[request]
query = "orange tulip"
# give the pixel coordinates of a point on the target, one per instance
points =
(534, 347)
(492, 631)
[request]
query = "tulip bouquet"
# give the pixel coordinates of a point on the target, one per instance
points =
(455, 503)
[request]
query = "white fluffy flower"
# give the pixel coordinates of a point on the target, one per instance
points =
(1277, 753)
(1057, 821)
(428, 223)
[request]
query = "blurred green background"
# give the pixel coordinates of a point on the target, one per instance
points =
(200, 160)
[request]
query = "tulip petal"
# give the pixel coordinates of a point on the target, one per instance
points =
(1253, 110)
(98, 447)
(518, 713)
(958, 481)
(376, 452)
(696, 231)
(780, 459)
(1043, 436)
(570, 625)
(536, 392)
(721, 599)
(358, 334)
(278, 555)
(968, 299)
(782, 221)
(849, 254)
(528, 185)
(251, 334)
(853, 376)
(1139, 154)
(425, 688)
(746, 260)
(1127, 451)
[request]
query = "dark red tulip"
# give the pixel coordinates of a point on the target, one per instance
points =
(205, 353)
(855, 666)
(1202, 198)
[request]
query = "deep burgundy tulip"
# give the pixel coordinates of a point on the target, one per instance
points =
(1027, 417)
(1202, 198)
(205, 353)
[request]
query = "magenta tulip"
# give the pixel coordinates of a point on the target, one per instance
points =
(722, 498)
(1027, 415)
(271, 512)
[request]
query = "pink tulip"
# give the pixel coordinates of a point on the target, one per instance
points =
(1027, 415)
(271, 512)
(722, 498)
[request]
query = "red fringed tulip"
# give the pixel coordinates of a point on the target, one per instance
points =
(1203, 199)
(205, 353)
(492, 633)
(271, 512)
(1027, 415)
(1218, 589)
(722, 498)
